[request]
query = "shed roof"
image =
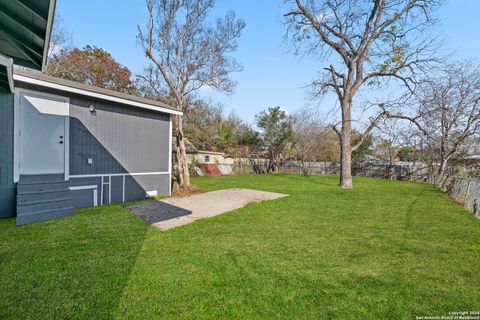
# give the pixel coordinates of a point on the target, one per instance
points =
(40, 79)
(473, 157)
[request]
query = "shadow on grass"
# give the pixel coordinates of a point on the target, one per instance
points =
(314, 179)
(157, 211)
(74, 267)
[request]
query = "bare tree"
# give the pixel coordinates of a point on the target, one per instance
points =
(189, 53)
(372, 40)
(388, 140)
(60, 39)
(446, 109)
(308, 130)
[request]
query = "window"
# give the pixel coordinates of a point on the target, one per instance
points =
(207, 158)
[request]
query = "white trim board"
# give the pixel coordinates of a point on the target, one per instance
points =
(118, 174)
(75, 188)
(102, 96)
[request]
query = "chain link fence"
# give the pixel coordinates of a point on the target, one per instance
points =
(465, 191)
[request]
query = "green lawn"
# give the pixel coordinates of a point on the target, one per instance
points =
(383, 250)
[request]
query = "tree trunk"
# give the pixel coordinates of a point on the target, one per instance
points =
(443, 162)
(345, 147)
(183, 172)
(441, 171)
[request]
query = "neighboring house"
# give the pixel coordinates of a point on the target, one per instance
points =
(209, 157)
(207, 163)
(473, 159)
(66, 145)
(204, 157)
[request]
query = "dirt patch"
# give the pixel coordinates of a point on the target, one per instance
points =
(174, 212)
(185, 191)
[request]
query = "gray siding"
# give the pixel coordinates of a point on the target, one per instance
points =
(117, 138)
(135, 188)
(84, 198)
(137, 184)
(120, 139)
(117, 189)
(7, 187)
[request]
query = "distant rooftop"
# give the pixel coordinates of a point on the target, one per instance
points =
(473, 157)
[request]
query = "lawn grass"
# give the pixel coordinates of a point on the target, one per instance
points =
(385, 250)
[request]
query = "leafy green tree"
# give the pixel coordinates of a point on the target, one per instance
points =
(406, 154)
(208, 129)
(276, 133)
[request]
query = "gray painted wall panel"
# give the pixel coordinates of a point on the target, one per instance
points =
(118, 138)
(117, 189)
(135, 188)
(8, 190)
(84, 198)
(133, 192)
(160, 183)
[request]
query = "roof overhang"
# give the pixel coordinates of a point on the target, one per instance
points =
(473, 157)
(6, 72)
(45, 81)
(25, 29)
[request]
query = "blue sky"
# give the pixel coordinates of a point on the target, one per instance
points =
(272, 75)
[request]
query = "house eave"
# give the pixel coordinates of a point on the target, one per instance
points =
(48, 34)
(7, 64)
(25, 31)
(99, 93)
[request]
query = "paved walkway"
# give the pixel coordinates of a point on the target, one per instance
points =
(174, 212)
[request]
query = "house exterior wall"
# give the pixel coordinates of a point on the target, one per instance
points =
(7, 186)
(215, 158)
(122, 150)
(116, 188)
(118, 139)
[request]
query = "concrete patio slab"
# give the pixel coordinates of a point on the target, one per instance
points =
(174, 212)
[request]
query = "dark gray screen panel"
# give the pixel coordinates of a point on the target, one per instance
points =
(7, 187)
(117, 189)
